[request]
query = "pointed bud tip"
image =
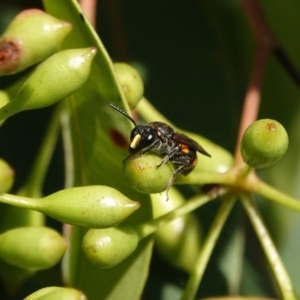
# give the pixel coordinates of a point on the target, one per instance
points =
(93, 50)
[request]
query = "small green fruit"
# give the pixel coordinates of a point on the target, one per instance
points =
(179, 242)
(34, 248)
(108, 247)
(131, 83)
(144, 176)
(264, 142)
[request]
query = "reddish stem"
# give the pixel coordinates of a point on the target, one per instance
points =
(89, 7)
(266, 43)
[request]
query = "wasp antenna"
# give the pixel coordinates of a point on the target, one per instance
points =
(123, 113)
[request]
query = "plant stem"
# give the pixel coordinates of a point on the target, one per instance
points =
(208, 246)
(20, 201)
(237, 180)
(266, 43)
(34, 183)
(256, 185)
(269, 248)
(246, 171)
(89, 7)
(147, 228)
(200, 178)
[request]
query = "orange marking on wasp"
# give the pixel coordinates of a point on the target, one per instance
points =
(184, 148)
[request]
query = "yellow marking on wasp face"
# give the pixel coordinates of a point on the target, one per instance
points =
(135, 141)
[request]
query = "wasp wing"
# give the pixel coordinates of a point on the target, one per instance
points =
(181, 138)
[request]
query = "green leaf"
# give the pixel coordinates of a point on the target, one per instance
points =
(99, 141)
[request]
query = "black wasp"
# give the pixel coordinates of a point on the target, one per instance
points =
(160, 138)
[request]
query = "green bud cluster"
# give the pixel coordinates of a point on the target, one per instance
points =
(108, 247)
(30, 38)
(144, 176)
(179, 242)
(34, 248)
(91, 206)
(264, 142)
(54, 79)
(55, 293)
(131, 83)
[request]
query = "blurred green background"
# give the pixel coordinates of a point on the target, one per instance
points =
(195, 58)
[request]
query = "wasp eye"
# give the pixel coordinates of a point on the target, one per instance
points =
(150, 137)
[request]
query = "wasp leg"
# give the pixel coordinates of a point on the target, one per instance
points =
(168, 157)
(141, 153)
(126, 158)
(175, 173)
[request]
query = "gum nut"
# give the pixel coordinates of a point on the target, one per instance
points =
(264, 142)
(131, 83)
(179, 242)
(108, 247)
(144, 176)
(34, 248)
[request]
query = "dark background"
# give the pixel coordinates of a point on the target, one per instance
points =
(195, 57)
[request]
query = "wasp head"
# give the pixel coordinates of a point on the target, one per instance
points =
(141, 137)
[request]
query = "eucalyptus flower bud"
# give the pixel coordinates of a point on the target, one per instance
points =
(31, 37)
(54, 79)
(108, 247)
(179, 242)
(6, 176)
(4, 98)
(92, 206)
(131, 83)
(56, 293)
(144, 176)
(41, 292)
(34, 248)
(264, 142)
